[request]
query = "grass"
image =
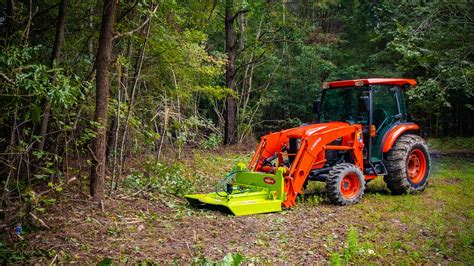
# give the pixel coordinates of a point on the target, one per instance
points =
(452, 144)
(436, 225)
(432, 227)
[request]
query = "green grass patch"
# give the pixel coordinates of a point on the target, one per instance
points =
(452, 144)
(431, 226)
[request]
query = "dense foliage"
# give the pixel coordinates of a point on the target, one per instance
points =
(167, 85)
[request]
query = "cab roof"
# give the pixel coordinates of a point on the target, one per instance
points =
(370, 81)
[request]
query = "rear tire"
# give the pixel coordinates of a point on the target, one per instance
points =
(408, 165)
(345, 184)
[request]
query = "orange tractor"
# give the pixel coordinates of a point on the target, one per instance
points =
(362, 132)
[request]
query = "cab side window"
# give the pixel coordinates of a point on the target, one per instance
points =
(384, 104)
(403, 108)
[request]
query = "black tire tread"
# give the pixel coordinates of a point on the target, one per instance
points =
(333, 183)
(395, 162)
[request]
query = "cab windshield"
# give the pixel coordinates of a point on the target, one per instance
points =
(343, 104)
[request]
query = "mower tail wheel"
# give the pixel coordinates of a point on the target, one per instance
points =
(408, 165)
(345, 184)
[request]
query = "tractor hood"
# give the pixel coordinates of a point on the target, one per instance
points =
(311, 129)
(275, 141)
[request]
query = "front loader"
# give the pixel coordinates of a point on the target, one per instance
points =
(361, 133)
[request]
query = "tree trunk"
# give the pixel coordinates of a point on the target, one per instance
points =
(55, 57)
(231, 103)
(102, 99)
(9, 21)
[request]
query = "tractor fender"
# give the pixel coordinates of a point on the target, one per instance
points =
(393, 134)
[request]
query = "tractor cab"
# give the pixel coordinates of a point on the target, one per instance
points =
(377, 104)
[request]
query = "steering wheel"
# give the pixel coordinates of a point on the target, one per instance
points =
(387, 117)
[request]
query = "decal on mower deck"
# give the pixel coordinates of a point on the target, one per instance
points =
(269, 180)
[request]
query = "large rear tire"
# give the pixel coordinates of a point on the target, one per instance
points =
(345, 184)
(408, 165)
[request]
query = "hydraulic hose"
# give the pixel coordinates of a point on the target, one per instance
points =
(225, 181)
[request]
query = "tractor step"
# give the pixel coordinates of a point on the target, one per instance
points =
(251, 193)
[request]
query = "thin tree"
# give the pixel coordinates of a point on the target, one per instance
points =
(55, 58)
(230, 112)
(231, 49)
(102, 97)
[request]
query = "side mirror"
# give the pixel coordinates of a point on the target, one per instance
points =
(364, 103)
(317, 107)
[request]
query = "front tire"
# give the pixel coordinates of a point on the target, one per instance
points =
(345, 184)
(408, 165)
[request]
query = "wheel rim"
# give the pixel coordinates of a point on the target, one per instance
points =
(416, 166)
(350, 186)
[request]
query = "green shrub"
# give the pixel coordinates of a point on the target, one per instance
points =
(457, 144)
(212, 142)
(335, 259)
(352, 247)
(160, 178)
(350, 251)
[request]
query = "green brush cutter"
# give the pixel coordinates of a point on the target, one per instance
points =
(243, 192)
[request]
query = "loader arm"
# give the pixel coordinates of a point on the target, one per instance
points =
(269, 145)
(311, 155)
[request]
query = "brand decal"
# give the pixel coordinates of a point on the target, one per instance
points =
(315, 143)
(269, 180)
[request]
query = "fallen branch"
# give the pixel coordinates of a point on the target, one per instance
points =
(133, 222)
(54, 259)
(7, 79)
(190, 252)
(141, 190)
(55, 187)
(39, 220)
(95, 220)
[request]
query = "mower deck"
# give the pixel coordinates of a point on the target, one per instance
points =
(252, 193)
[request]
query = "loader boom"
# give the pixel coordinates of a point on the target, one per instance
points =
(311, 153)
